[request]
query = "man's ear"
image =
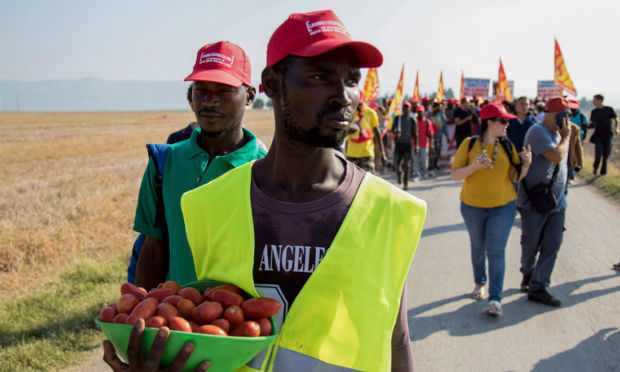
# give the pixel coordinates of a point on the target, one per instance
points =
(271, 82)
(251, 95)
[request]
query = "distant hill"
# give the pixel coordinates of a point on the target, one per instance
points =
(92, 95)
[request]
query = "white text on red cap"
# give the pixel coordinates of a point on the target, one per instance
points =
(217, 58)
(326, 26)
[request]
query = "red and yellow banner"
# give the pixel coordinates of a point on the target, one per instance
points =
(461, 94)
(416, 89)
(503, 89)
(395, 106)
(561, 76)
(440, 93)
(371, 86)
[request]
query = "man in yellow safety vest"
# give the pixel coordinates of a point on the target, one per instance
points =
(330, 241)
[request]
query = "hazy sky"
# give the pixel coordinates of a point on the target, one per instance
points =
(158, 40)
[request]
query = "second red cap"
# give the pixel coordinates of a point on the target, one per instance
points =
(559, 104)
(495, 110)
(222, 62)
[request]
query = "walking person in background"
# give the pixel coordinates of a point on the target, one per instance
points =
(518, 126)
(605, 122)
(579, 118)
(405, 133)
(575, 153)
(438, 119)
(363, 136)
(489, 166)
(542, 231)
(425, 142)
(464, 119)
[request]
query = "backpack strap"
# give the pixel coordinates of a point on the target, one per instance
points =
(472, 142)
(159, 153)
(507, 145)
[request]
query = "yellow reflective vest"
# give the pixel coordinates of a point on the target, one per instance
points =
(343, 317)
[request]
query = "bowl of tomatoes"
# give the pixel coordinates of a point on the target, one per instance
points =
(227, 325)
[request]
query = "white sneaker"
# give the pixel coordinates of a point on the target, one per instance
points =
(494, 308)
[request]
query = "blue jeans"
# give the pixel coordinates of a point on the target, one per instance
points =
(541, 235)
(488, 231)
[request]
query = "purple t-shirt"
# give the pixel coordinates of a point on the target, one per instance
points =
(292, 238)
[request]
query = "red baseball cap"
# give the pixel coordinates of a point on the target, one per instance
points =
(574, 102)
(559, 104)
(222, 62)
(314, 33)
(495, 110)
(407, 103)
(420, 109)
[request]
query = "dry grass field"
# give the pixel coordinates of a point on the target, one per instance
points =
(69, 186)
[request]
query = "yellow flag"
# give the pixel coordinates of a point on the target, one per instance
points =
(561, 76)
(439, 96)
(371, 86)
(503, 89)
(396, 102)
(416, 89)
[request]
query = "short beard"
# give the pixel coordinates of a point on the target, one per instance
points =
(311, 136)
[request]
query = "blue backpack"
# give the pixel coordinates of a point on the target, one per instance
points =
(158, 152)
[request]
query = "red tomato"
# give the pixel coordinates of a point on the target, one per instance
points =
(247, 329)
(262, 307)
(222, 323)
(120, 318)
(107, 314)
(159, 294)
(126, 303)
(179, 324)
(145, 309)
(207, 312)
(231, 287)
(171, 284)
(155, 322)
(226, 297)
(186, 307)
(174, 299)
(134, 290)
(234, 315)
(265, 326)
(210, 329)
(167, 311)
(191, 294)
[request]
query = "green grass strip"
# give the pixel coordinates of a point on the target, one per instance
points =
(608, 184)
(53, 327)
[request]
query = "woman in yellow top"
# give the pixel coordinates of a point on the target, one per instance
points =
(488, 198)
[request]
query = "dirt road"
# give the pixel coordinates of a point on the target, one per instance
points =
(449, 330)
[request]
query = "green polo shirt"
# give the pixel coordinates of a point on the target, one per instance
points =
(187, 167)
